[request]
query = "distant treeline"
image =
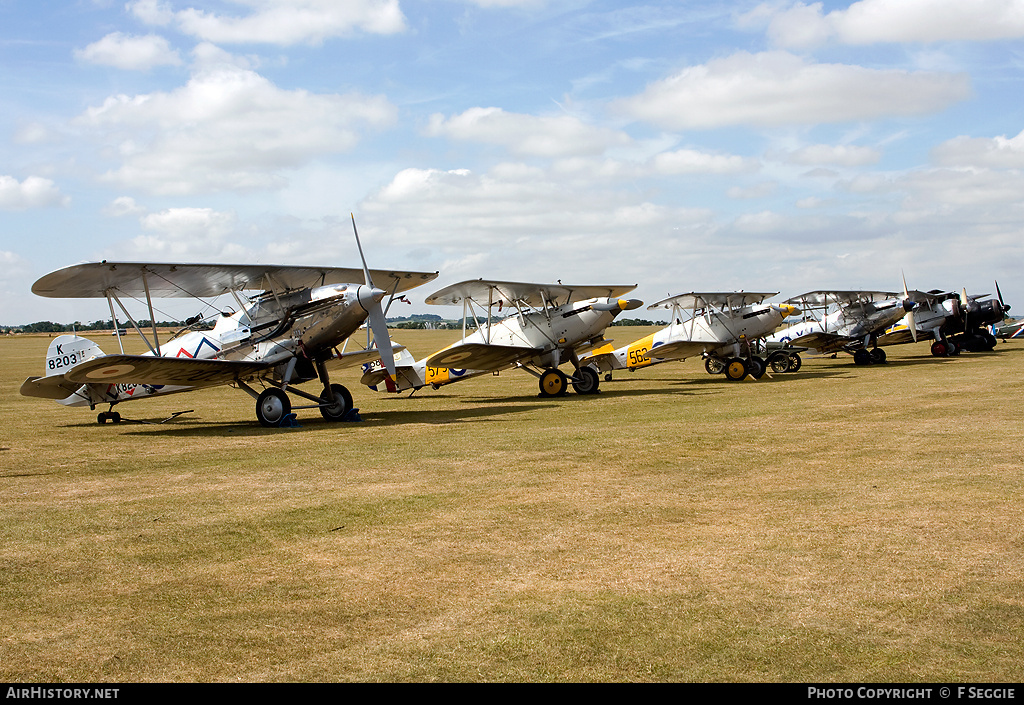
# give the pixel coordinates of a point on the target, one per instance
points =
(51, 327)
(417, 321)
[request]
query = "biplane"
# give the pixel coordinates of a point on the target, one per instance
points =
(721, 327)
(286, 331)
(845, 321)
(547, 325)
(954, 322)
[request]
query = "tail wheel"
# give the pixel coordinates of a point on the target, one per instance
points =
(111, 416)
(553, 383)
(587, 381)
(795, 362)
(735, 369)
(878, 356)
(714, 366)
(272, 405)
(338, 404)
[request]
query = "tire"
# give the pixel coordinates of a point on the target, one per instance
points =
(756, 367)
(877, 356)
(862, 357)
(553, 383)
(714, 366)
(940, 348)
(272, 405)
(779, 363)
(795, 362)
(340, 405)
(735, 369)
(588, 381)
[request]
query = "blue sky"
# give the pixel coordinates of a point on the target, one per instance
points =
(681, 146)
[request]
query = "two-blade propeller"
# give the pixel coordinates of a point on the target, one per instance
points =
(375, 316)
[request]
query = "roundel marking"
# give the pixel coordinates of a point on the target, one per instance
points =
(112, 371)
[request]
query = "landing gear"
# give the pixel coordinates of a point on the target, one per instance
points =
(735, 369)
(862, 357)
(714, 366)
(337, 406)
(111, 416)
(756, 367)
(941, 348)
(586, 381)
(272, 405)
(553, 383)
(877, 356)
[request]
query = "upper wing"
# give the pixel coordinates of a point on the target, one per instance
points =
(483, 291)
(176, 280)
(716, 299)
(479, 356)
(147, 369)
(827, 298)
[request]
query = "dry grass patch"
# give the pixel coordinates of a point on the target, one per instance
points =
(840, 523)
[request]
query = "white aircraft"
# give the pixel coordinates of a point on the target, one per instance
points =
(284, 335)
(848, 321)
(953, 321)
(720, 327)
(548, 325)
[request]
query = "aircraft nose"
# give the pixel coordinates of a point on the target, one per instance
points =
(788, 310)
(370, 296)
(908, 305)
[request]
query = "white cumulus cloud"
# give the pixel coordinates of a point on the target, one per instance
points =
(228, 128)
(997, 153)
(128, 52)
(778, 88)
(33, 192)
(280, 22)
(803, 25)
(544, 136)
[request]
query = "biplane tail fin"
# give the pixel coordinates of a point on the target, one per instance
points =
(64, 352)
(376, 373)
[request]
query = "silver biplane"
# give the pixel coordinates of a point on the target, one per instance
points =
(845, 321)
(548, 325)
(287, 332)
(721, 327)
(954, 322)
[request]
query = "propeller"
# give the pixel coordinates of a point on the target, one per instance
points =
(1002, 304)
(370, 300)
(909, 316)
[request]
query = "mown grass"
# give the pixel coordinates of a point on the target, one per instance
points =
(837, 524)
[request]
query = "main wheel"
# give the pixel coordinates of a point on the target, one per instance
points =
(553, 383)
(272, 405)
(340, 403)
(714, 366)
(735, 369)
(862, 357)
(588, 381)
(795, 362)
(877, 356)
(940, 349)
(780, 363)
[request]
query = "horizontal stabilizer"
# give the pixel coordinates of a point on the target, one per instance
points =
(146, 369)
(52, 387)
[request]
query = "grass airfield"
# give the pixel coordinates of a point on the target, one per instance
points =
(840, 523)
